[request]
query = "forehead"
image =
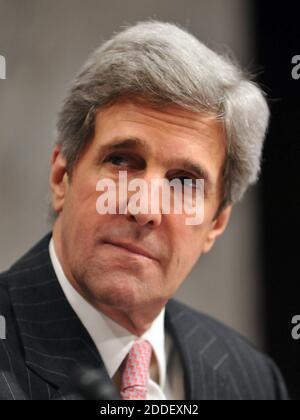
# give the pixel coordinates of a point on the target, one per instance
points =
(166, 134)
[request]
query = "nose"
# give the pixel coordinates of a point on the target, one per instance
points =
(149, 203)
(151, 220)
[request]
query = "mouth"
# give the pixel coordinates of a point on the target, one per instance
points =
(133, 250)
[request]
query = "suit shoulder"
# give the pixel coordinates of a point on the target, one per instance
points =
(12, 364)
(256, 374)
(214, 327)
(6, 321)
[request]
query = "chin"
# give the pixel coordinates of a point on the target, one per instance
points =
(124, 293)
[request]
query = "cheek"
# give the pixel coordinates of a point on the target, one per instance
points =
(187, 258)
(188, 238)
(80, 218)
(187, 246)
(82, 199)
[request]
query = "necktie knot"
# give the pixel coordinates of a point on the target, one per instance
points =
(136, 372)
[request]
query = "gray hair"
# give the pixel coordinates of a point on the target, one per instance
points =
(164, 64)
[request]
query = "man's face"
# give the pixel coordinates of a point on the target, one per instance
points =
(163, 141)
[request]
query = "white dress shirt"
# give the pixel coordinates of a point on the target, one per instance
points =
(114, 342)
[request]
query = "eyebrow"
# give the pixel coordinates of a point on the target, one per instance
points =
(134, 143)
(128, 144)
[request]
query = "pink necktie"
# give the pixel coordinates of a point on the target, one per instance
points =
(135, 374)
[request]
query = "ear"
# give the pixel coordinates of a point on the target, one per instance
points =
(217, 228)
(58, 179)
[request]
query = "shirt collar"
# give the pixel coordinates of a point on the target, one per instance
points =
(111, 339)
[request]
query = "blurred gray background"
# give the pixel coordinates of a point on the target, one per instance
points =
(44, 43)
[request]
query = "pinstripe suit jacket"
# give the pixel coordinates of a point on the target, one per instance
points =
(45, 340)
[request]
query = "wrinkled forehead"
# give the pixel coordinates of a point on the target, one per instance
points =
(171, 121)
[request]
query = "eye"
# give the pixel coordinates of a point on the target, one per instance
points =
(125, 160)
(186, 180)
(116, 159)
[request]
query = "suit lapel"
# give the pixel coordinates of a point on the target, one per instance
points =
(201, 354)
(55, 341)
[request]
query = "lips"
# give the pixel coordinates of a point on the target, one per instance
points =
(134, 249)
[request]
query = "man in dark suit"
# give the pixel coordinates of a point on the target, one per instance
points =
(97, 291)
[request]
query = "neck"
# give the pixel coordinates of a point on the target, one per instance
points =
(137, 321)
